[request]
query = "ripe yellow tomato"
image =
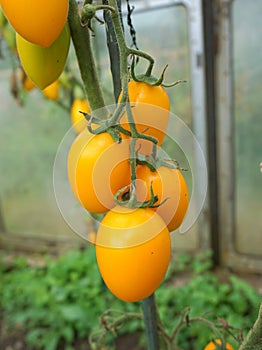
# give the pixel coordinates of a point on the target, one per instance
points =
(91, 237)
(77, 119)
(39, 22)
(150, 108)
(97, 168)
(167, 184)
(52, 91)
(27, 83)
(133, 252)
(212, 345)
(44, 65)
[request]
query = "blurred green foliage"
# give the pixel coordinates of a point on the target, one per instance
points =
(62, 301)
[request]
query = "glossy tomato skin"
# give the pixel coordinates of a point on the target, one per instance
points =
(39, 22)
(212, 346)
(150, 108)
(44, 65)
(167, 184)
(97, 168)
(77, 119)
(133, 251)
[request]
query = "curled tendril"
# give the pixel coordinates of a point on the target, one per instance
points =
(149, 79)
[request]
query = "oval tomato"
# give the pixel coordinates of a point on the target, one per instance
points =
(44, 65)
(150, 108)
(27, 83)
(167, 184)
(52, 91)
(39, 22)
(212, 345)
(77, 119)
(97, 168)
(133, 252)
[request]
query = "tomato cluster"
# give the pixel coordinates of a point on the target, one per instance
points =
(42, 37)
(133, 244)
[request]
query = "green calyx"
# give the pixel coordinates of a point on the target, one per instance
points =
(89, 12)
(126, 197)
(147, 78)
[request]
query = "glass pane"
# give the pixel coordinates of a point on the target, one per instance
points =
(151, 37)
(248, 124)
(29, 137)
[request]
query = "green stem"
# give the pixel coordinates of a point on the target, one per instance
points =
(145, 55)
(124, 53)
(132, 160)
(113, 49)
(82, 44)
(123, 50)
(150, 319)
(104, 7)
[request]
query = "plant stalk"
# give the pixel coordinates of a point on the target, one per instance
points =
(253, 340)
(83, 48)
(150, 321)
(113, 50)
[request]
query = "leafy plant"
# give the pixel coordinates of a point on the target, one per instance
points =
(56, 303)
(64, 300)
(232, 302)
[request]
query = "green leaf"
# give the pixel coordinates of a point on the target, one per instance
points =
(73, 313)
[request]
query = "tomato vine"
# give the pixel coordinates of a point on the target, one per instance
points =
(80, 23)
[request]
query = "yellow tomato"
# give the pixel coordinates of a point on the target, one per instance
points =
(212, 345)
(167, 184)
(51, 91)
(133, 252)
(27, 83)
(150, 108)
(97, 168)
(39, 22)
(44, 65)
(91, 237)
(77, 119)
